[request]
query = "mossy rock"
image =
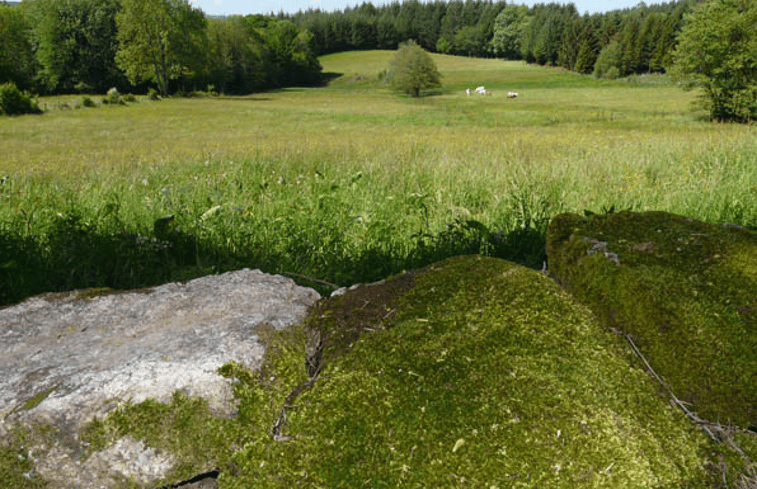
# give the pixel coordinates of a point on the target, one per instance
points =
(475, 372)
(684, 290)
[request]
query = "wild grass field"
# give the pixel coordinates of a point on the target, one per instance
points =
(350, 182)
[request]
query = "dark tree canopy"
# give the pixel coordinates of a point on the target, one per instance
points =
(76, 44)
(17, 63)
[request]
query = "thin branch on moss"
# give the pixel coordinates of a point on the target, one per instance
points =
(680, 404)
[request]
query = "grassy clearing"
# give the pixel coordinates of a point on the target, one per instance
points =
(350, 182)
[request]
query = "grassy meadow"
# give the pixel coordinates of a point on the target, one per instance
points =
(349, 182)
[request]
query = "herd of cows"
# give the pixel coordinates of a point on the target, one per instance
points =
(483, 91)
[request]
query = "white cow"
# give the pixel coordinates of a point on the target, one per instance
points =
(481, 90)
(467, 91)
(512, 94)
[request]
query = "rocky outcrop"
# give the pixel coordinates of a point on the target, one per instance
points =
(66, 359)
(473, 372)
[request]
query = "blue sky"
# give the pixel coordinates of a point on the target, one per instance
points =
(242, 7)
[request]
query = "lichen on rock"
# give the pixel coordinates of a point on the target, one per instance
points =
(81, 373)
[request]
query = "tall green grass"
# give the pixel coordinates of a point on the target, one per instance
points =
(350, 183)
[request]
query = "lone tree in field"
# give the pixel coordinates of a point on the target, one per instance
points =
(717, 51)
(412, 70)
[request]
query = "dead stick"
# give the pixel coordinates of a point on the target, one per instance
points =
(688, 413)
(316, 280)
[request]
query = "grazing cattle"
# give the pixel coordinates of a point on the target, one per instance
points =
(481, 90)
(467, 91)
(512, 94)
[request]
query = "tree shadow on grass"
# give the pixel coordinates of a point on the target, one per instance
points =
(73, 256)
(328, 77)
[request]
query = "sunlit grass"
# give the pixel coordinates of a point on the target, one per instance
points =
(323, 181)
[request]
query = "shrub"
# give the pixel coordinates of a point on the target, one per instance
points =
(82, 87)
(129, 97)
(609, 58)
(15, 102)
(88, 102)
(113, 97)
(716, 52)
(152, 94)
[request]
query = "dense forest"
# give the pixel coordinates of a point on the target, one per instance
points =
(618, 43)
(90, 46)
(65, 46)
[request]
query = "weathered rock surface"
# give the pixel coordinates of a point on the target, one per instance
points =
(66, 358)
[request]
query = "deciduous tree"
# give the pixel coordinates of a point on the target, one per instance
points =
(16, 54)
(236, 56)
(160, 40)
(76, 44)
(412, 69)
(717, 51)
(292, 61)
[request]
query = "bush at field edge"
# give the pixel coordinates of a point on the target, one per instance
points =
(14, 102)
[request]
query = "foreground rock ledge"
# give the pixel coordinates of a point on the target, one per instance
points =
(684, 290)
(474, 372)
(66, 358)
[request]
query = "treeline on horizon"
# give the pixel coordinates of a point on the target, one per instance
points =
(618, 43)
(81, 46)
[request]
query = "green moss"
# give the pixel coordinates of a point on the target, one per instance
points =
(683, 290)
(185, 428)
(486, 375)
(16, 466)
(262, 394)
(93, 292)
(35, 401)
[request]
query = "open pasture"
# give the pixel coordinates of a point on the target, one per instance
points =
(350, 182)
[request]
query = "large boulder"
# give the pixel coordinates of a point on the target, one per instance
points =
(69, 360)
(684, 293)
(475, 372)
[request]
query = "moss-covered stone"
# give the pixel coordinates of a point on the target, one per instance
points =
(684, 290)
(474, 372)
(482, 374)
